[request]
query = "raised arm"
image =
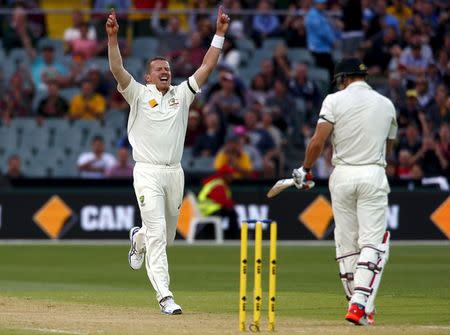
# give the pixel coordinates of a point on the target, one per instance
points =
(122, 76)
(213, 53)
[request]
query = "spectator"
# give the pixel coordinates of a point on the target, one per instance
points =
(409, 112)
(45, 68)
(274, 132)
(171, 37)
(94, 164)
(74, 32)
(443, 144)
(281, 62)
(230, 56)
(262, 140)
(258, 91)
(208, 143)
(17, 100)
(232, 154)
(215, 198)
(96, 77)
(381, 19)
(264, 23)
(185, 61)
(239, 88)
(410, 139)
(401, 11)
(122, 168)
(87, 105)
(424, 94)
(226, 102)
(285, 105)
(267, 72)
(320, 35)
(404, 167)
(379, 50)
(250, 149)
(14, 170)
(84, 45)
(395, 89)
(194, 128)
(17, 33)
(301, 87)
(439, 110)
(53, 105)
(416, 57)
(293, 29)
(431, 159)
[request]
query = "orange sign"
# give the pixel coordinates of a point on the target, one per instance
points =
(52, 216)
(317, 216)
(441, 217)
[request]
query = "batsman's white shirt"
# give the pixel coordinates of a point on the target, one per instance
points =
(156, 131)
(362, 122)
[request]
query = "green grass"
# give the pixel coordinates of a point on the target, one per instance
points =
(415, 288)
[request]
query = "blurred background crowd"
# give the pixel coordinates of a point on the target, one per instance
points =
(61, 114)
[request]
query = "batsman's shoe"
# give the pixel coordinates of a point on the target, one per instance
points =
(135, 258)
(169, 307)
(356, 314)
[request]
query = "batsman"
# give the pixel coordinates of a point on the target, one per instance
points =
(363, 126)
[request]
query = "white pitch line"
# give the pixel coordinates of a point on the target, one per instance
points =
(56, 331)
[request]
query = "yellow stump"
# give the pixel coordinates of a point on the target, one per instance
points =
(243, 277)
(257, 289)
(272, 275)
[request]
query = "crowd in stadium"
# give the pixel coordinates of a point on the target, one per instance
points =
(260, 108)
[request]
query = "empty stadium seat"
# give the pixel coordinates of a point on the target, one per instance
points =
(144, 47)
(300, 55)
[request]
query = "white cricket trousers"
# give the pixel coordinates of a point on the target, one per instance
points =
(359, 201)
(159, 192)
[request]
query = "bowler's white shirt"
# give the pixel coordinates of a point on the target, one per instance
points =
(157, 123)
(363, 119)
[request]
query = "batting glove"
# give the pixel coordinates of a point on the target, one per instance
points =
(301, 176)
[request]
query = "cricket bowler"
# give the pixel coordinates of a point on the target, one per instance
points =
(363, 126)
(156, 130)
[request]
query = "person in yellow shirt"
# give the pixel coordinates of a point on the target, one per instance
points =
(233, 155)
(401, 11)
(87, 105)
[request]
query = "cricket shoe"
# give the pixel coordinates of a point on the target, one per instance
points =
(169, 307)
(356, 314)
(135, 257)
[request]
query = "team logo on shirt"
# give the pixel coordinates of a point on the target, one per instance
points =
(141, 200)
(174, 102)
(153, 103)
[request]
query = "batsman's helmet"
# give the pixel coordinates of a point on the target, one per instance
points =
(349, 67)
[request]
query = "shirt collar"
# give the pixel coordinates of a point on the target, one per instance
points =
(153, 89)
(360, 83)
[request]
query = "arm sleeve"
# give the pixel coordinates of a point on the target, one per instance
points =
(131, 93)
(393, 128)
(190, 89)
(326, 112)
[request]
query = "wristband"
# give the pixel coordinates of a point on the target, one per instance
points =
(307, 170)
(217, 41)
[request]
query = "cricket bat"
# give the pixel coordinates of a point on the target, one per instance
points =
(283, 184)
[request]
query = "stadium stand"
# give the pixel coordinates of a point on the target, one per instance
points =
(49, 146)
